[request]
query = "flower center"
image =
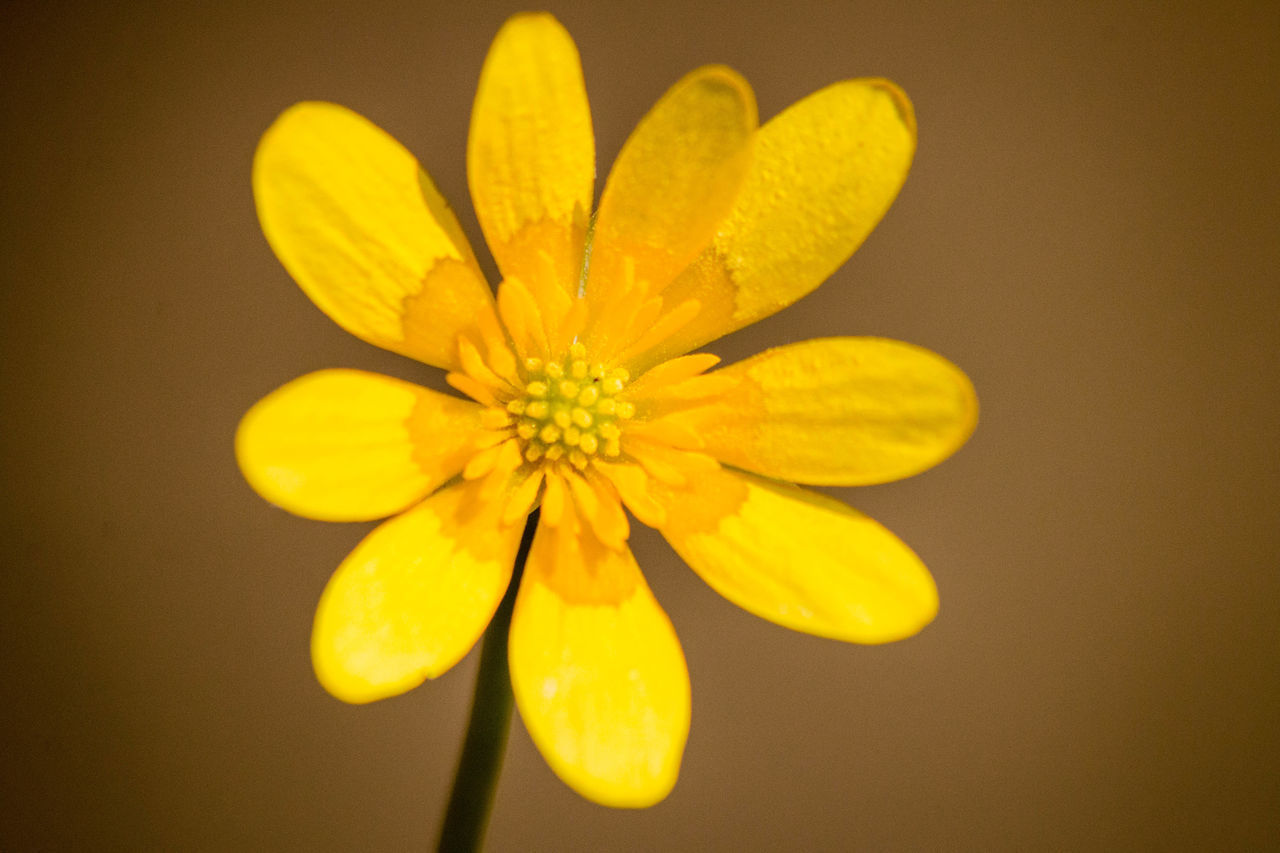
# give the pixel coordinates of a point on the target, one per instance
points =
(570, 409)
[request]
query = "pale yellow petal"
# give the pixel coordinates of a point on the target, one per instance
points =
(799, 559)
(674, 181)
(413, 597)
(824, 172)
(361, 228)
(836, 411)
(345, 445)
(531, 153)
(598, 674)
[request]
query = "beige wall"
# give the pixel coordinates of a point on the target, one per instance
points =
(1090, 230)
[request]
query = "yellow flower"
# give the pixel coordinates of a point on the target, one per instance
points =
(582, 397)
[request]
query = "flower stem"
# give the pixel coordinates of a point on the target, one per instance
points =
(467, 815)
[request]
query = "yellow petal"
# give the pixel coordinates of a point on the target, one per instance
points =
(413, 597)
(361, 228)
(597, 671)
(837, 411)
(531, 153)
(344, 445)
(674, 181)
(799, 559)
(824, 172)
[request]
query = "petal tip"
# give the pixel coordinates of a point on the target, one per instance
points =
(351, 687)
(333, 667)
(616, 797)
(535, 24)
(635, 790)
(734, 84)
(901, 103)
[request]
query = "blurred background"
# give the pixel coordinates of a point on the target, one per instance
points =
(1090, 230)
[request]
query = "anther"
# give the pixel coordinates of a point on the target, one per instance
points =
(568, 410)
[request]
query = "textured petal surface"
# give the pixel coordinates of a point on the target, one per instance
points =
(597, 671)
(361, 228)
(531, 153)
(837, 411)
(799, 559)
(824, 172)
(413, 597)
(675, 179)
(345, 445)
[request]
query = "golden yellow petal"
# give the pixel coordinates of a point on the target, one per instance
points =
(799, 559)
(345, 445)
(413, 597)
(597, 671)
(674, 181)
(837, 411)
(364, 232)
(825, 171)
(531, 153)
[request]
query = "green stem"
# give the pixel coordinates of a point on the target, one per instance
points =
(476, 781)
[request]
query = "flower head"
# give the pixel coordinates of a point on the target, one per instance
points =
(583, 399)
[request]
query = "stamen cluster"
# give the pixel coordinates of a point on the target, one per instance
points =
(570, 409)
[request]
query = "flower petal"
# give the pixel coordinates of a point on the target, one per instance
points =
(825, 171)
(597, 671)
(413, 597)
(836, 411)
(799, 559)
(362, 229)
(531, 153)
(345, 445)
(674, 181)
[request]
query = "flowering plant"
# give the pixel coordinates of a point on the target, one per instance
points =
(583, 398)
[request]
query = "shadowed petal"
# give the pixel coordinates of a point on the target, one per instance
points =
(674, 181)
(825, 171)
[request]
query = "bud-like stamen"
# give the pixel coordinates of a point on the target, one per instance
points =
(568, 408)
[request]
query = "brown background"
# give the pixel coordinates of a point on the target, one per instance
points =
(1090, 230)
